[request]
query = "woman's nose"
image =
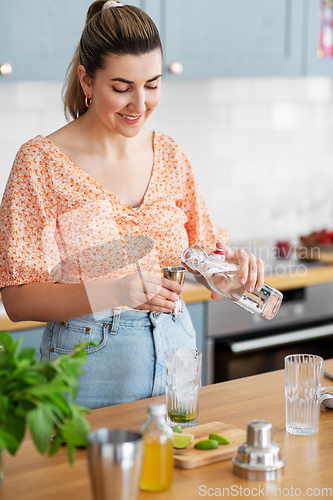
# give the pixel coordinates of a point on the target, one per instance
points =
(138, 103)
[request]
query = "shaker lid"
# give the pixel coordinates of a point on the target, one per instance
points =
(258, 458)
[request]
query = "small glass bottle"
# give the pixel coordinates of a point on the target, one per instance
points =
(157, 470)
(223, 277)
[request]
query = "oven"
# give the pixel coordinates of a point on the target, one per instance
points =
(239, 344)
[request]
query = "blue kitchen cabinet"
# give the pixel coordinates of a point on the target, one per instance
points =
(39, 37)
(32, 338)
(312, 64)
(210, 38)
(198, 316)
(232, 38)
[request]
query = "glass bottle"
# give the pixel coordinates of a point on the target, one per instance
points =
(157, 470)
(223, 277)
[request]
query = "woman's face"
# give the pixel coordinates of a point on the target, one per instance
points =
(126, 92)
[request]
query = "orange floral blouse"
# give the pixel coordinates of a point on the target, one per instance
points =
(58, 225)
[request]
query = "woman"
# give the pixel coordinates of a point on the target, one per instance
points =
(92, 213)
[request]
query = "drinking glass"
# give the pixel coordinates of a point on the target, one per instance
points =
(182, 387)
(302, 391)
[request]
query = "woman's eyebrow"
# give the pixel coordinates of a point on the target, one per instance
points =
(119, 79)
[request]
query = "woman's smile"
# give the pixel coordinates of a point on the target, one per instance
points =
(130, 118)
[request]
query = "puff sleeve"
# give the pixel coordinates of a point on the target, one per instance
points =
(24, 216)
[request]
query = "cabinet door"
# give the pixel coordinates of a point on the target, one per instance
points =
(39, 37)
(32, 338)
(217, 38)
(313, 65)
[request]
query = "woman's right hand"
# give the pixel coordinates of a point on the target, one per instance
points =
(149, 292)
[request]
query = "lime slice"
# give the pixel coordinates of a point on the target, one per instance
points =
(178, 429)
(207, 444)
(182, 440)
(218, 438)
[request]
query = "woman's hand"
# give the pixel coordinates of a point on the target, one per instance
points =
(251, 268)
(146, 291)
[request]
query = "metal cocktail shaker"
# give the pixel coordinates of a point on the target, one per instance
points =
(115, 458)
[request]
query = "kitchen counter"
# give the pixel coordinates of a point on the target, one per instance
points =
(30, 476)
(195, 292)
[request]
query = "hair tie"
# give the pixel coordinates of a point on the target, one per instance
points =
(111, 3)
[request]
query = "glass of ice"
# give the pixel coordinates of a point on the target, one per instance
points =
(182, 385)
(302, 391)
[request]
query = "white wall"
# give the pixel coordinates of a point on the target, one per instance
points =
(262, 148)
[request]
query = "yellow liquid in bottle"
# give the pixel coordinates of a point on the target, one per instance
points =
(158, 464)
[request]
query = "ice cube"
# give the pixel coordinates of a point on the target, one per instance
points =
(185, 351)
(186, 365)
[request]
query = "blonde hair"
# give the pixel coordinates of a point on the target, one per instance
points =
(110, 31)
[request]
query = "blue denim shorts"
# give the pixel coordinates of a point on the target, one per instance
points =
(128, 362)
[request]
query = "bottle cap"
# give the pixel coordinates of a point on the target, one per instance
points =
(219, 255)
(157, 410)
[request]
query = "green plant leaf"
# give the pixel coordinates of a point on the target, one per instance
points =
(4, 403)
(7, 342)
(27, 353)
(70, 453)
(16, 426)
(8, 441)
(75, 431)
(40, 421)
(56, 386)
(40, 395)
(56, 442)
(60, 404)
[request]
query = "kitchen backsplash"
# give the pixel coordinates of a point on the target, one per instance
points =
(262, 148)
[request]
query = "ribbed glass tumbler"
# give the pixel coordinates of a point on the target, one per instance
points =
(303, 374)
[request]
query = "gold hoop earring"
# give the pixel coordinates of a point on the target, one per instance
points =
(88, 101)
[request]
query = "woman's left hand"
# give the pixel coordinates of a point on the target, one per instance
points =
(251, 268)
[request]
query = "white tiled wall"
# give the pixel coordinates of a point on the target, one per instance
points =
(262, 148)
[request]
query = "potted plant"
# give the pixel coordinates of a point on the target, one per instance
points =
(39, 395)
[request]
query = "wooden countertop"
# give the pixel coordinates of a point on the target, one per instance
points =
(194, 292)
(30, 476)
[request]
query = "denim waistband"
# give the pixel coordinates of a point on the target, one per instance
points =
(124, 313)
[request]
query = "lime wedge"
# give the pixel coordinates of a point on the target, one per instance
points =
(178, 429)
(218, 438)
(207, 444)
(182, 440)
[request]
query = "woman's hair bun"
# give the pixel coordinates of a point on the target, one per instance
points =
(94, 9)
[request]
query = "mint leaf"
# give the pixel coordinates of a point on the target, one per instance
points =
(8, 441)
(40, 421)
(16, 426)
(56, 442)
(7, 342)
(75, 431)
(40, 395)
(27, 353)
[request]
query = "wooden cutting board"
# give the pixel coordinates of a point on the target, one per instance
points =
(190, 457)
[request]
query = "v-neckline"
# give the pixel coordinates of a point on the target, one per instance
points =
(88, 177)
